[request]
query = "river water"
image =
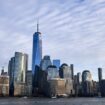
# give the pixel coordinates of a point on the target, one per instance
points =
(47, 101)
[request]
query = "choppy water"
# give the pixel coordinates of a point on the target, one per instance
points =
(60, 101)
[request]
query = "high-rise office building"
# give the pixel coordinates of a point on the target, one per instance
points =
(45, 62)
(87, 83)
(36, 58)
(17, 69)
(72, 70)
(37, 50)
(29, 83)
(56, 62)
(100, 74)
(78, 84)
(86, 76)
(21, 66)
(102, 87)
(11, 68)
(65, 71)
(52, 72)
(79, 78)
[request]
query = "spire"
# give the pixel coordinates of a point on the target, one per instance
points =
(37, 25)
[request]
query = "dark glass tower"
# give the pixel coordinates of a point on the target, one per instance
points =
(37, 53)
(100, 74)
(72, 70)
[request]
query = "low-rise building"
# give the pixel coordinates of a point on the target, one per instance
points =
(56, 87)
(4, 85)
(20, 89)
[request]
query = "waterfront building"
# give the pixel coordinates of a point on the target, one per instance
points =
(17, 69)
(56, 62)
(4, 85)
(102, 87)
(55, 87)
(20, 89)
(11, 68)
(36, 56)
(99, 78)
(86, 76)
(75, 84)
(95, 88)
(21, 66)
(79, 84)
(65, 73)
(29, 83)
(87, 83)
(52, 72)
(45, 62)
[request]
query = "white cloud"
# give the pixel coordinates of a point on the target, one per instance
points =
(72, 30)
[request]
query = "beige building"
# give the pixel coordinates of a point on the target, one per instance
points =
(56, 87)
(4, 85)
(20, 89)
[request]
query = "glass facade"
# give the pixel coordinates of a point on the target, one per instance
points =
(37, 51)
(52, 72)
(65, 71)
(46, 61)
(79, 78)
(21, 62)
(56, 62)
(86, 76)
(17, 69)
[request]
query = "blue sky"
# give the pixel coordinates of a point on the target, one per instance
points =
(72, 30)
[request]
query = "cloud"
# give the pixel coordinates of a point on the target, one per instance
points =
(72, 30)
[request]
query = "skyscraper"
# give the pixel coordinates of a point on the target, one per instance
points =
(86, 76)
(65, 71)
(17, 69)
(52, 72)
(56, 62)
(37, 50)
(45, 62)
(36, 56)
(100, 74)
(79, 78)
(11, 68)
(72, 70)
(87, 83)
(21, 66)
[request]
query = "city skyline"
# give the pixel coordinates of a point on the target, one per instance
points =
(75, 26)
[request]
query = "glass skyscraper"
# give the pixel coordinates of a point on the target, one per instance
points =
(18, 66)
(56, 62)
(17, 69)
(46, 61)
(36, 56)
(37, 50)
